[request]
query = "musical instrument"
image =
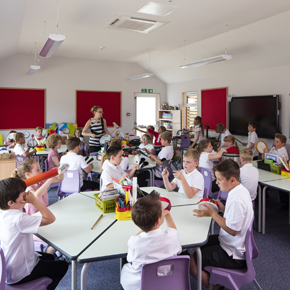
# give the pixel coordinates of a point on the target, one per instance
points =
(32, 143)
(66, 130)
(165, 202)
(105, 139)
(239, 141)
(261, 146)
(233, 156)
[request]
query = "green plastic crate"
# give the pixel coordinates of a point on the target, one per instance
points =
(106, 206)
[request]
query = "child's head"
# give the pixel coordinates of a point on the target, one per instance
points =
(190, 160)
(246, 156)
(204, 146)
(38, 131)
(146, 139)
(227, 174)
(279, 141)
(11, 190)
(161, 129)
(19, 138)
(12, 131)
(72, 143)
(78, 132)
(26, 169)
(220, 128)
(114, 155)
(252, 126)
(230, 140)
(166, 138)
(97, 111)
(115, 142)
(54, 141)
(147, 212)
(151, 127)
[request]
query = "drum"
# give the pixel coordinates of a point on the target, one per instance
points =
(261, 146)
(105, 139)
(233, 156)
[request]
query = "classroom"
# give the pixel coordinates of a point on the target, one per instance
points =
(95, 57)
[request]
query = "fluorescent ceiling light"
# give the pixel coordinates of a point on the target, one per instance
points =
(158, 9)
(207, 61)
(143, 76)
(33, 69)
(51, 45)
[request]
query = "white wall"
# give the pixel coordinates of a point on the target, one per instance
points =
(259, 82)
(61, 77)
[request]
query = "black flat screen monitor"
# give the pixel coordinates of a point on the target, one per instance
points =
(262, 109)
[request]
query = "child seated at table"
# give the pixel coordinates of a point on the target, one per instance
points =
(206, 159)
(10, 142)
(248, 173)
(230, 145)
(113, 168)
(19, 147)
(77, 162)
(53, 142)
(221, 129)
(166, 152)
(22, 263)
(226, 250)
(156, 135)
(39, 135)
(189, 180)
(252, 138)
(146, 145)
(151, 244)
(278, 148)
(114, 142)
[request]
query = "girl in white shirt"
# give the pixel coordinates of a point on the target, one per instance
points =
(198, 131)
(146, 145)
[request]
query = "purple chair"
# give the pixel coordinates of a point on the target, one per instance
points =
(235, 279)
(177, 278)
(160, 183)
(222, 195)
(205, 193)
(70, 183)
(93, 153)
(185, 143)
(85, 150)
(20, 158)
(207, 181)
(38, 284)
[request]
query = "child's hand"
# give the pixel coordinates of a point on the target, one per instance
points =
(221, 205)
(151, 156)
(178, 174)
(165, 172)
(166, 212)
(124, 176)
(135, 167)
(34, 151)
(117, 133)
(103, 154)
(244, 144)
(93, 135)
(207, 211)
(29, 197)
(223, 151)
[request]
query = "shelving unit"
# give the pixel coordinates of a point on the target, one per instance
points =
(170, 119)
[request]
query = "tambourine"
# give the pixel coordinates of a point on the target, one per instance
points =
(105, 139)
(66, 130)
(11, 136)
(165, 202)
(261, 146)
(26, 134)
(32, 143)
(46, 175)
(210, 202)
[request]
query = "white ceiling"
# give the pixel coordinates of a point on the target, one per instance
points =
(257, 37)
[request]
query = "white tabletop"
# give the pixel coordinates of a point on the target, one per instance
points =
(265, 175)
(282, 184)
(46, 151)
(193, 232)
(71, 232)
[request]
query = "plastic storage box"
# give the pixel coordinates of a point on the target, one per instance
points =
(105, 206)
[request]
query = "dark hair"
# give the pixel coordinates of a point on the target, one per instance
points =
(78, 129)
(281, 137)
(198, 118)
(72, 143)
(220, 128)
(254, 124)
(166, 136)
(151, 127)
(228, 168)
(162, 128)
(146, 211)
(113, 151)
(10, 189)
(115, 142)
(203, 144)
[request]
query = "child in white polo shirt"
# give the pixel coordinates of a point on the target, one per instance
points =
(77, 162)
(221, 129)
(151, 244)
(189, 180)
(19, 147)
(226, 250)
(113, 168)
(248, 173)
(279, 146)
(16, 236)
(252, 138)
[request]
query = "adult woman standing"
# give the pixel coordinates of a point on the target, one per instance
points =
(97, 125)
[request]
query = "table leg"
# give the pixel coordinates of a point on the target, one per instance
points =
(153, 179)
(264, 210)
(259, 208)
(74, 275)
(289, 209)
(84, 276)
(199, 269)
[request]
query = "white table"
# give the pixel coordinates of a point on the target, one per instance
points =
(71, 233)
(193, 233)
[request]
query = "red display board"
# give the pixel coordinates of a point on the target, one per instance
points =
(214, 107)
(22, 108)
(109, 101)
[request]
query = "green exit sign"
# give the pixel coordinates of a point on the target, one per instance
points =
(146, 90)
(150, 90)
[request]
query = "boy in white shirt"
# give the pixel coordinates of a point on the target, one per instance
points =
(252, 138)
(22, 263)
(19, 147)
(77, 162)
(151, 244)
(279, 149)
(248, 173)
(226, 250)
(166, 152)
(189, 180)
(221, 129)
(113, 168)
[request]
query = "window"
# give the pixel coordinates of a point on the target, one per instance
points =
(189, 109)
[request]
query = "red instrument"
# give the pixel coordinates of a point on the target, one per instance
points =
(165, 202)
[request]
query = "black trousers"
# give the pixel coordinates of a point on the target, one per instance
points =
(142, 176)
(95, 148)
(88, 184)
(47, 267)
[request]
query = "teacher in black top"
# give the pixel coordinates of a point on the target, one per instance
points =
(98, 126)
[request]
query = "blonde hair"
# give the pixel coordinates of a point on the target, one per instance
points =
(95, 108)
(166, 136)
(38, 128)
(17, 136)
(52, 140)
(220, 128)
(231, 138)
(148, 137)
(193, 153)
(203, 144)
(25, 166)
(281, 137)
(247, 154)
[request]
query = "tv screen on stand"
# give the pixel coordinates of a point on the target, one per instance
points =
(262, 109)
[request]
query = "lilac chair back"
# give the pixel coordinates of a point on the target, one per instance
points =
(176, 277)
(235, 279)
(207, 179)
(85, 150)
(185, 141)
(223, 195)
(160, 183)
(205, 193)
(70, 183)
(93, 153)
(38, 284)
(20, 159)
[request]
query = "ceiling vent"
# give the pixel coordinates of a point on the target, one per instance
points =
(134, 24)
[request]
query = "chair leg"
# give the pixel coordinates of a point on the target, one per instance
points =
(212, 227)
(257, 285)
(210, 287)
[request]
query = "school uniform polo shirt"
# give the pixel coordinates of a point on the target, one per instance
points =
(253, 138)
(249, 179)
(111, 171)
(19, 149)
(124, 163)
(280, 152)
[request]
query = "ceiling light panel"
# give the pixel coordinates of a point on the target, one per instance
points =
(158, 9)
